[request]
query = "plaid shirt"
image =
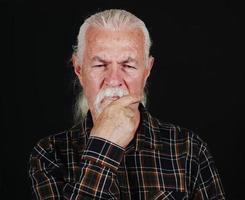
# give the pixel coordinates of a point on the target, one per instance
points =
(163, 161)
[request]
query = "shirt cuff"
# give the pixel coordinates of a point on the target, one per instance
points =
(103, 152)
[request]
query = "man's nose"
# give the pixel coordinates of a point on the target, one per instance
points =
(113, 77)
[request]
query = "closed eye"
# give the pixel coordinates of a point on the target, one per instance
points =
(129, 66)
(101, 65)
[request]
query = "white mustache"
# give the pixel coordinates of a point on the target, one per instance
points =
(108, 92)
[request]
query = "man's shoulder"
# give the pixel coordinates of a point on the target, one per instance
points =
(171, 132)
(172, 139)
(61, 139)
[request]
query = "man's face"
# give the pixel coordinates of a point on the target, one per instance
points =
(113, 59)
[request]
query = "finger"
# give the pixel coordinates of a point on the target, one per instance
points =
(129, 113)
(127, 100)
(106, 102)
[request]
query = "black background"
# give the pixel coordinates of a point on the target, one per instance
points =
(196, 82)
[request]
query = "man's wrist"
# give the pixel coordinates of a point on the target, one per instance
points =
(103, 152)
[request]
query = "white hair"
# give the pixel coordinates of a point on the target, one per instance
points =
(113, 19)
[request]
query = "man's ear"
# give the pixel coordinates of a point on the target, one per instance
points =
(77, 67)
(148, 68)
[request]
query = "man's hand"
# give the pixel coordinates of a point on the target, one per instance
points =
(119, 121)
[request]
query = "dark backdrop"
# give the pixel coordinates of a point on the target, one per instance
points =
(197, 80)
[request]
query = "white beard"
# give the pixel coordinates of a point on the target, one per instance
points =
(111, 92)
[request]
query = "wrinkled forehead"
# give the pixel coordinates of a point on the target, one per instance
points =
(105, 37)
(124, 42)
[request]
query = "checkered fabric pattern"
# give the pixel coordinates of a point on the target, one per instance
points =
(163, 161)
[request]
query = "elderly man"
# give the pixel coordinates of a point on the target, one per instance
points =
(117, 150)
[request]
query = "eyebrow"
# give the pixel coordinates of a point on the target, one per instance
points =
(97, 58)
(128, 60)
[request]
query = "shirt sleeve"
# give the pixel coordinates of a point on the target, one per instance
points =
(208, 185)
(96, 180)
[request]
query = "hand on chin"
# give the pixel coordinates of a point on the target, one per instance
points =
(107, 101)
